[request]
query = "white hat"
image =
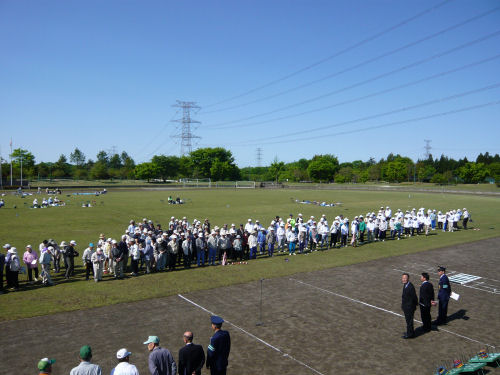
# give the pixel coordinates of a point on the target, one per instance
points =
(7, 246)
(173, 236)
(124, 236)
(29, 246)
(50, 248)
(72, 242)
(122, 353)
(13, 250)
(249, 219)
(113, 241)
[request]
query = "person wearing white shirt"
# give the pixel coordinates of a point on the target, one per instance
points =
(344, 232)
(124, 367)
(249, 226)
(334, 232)
(280, 235)
(382, 229)
(465, 218)
(291, 238)
(370, 226)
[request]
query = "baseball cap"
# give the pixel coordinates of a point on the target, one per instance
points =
(85, 352)
(122, 353)
(45, 363)
(152, 339)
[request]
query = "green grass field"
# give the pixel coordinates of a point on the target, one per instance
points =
(112, 212)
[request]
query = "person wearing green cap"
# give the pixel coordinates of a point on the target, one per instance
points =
(161, 361)
(85, 367)
(45, 366)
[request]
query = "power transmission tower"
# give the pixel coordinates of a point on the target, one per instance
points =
(259, 157)
(427, 148)
(186, 135)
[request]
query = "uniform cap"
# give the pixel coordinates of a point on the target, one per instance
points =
(214, 319)
(441, 268)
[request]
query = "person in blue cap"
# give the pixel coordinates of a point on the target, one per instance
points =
(443, 296)
(161, 361)
(219, 348)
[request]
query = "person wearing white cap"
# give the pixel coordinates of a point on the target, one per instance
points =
(280, 236)
(69, 255)
(45, 258)
(466, 217)
(252, 244)
(97, 260)
(344, 232)
(249, 226)
(173, 250)
(124, 367)
(30, 258)
(12, 266)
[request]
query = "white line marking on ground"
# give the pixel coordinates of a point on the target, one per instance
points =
(484, 288)
(254, 337)
(387, 311)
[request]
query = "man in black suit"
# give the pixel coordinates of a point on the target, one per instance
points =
(191, 356)
(408, 305)
(426, 300)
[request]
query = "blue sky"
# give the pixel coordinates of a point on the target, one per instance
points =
(99, 75)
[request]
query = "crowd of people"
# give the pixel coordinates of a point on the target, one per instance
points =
(191, 359)
(146, 247)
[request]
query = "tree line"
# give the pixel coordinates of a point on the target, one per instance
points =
(218, 164)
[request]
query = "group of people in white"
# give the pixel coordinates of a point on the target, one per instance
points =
(46, 202)
(187, 243)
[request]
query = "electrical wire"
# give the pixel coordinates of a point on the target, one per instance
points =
(401, 122)
(336, 54)
(372, 95)
(370, 80)
(363, 63)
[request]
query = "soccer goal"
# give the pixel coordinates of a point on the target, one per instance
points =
(245, 184)
(196, 182)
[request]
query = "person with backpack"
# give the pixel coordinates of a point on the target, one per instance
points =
(12, 266)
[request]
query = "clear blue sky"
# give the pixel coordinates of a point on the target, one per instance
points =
(96, 74)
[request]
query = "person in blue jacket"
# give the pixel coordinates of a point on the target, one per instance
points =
(219, 348)
(443, 295)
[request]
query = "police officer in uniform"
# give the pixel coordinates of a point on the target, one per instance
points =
(443, 295)
(218, 350)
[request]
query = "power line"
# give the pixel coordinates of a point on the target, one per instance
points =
(336, 54)
(391, 112)
(371, 95)
(440, 114)
(363, 63)
(186, 135)
(383, 75)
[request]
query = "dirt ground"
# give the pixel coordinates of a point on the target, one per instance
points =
(341, 320)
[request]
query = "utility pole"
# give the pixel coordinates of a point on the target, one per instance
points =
(427, 148)
(259, 157)
(186, 132)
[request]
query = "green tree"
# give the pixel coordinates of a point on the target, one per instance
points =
(27, 158)
(473, 173)
(115, 162)
(396, 171)
(103, 157)
(344, 175)
(168, 166)
(146, 171)
(61, 168)
(276, 168)
(323, 167)
(99, 171)
(77, 157)
(201, 161)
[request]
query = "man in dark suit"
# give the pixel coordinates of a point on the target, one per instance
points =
(191, 356)
(426, 300)
(408, 305)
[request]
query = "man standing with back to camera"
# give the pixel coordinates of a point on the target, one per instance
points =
(426, 301)
(219, 348)
(408, 305)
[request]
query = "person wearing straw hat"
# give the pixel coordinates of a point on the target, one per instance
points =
(124, 367)
(45, 366)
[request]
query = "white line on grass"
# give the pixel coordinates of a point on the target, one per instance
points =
(254, 337)
(387, 311)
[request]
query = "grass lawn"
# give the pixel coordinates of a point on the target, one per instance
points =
(112, 212)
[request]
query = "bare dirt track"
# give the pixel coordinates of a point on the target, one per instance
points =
(342, 320)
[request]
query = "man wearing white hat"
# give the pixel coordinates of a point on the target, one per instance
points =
(12, 266)
(69, 254)
(124, 367)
